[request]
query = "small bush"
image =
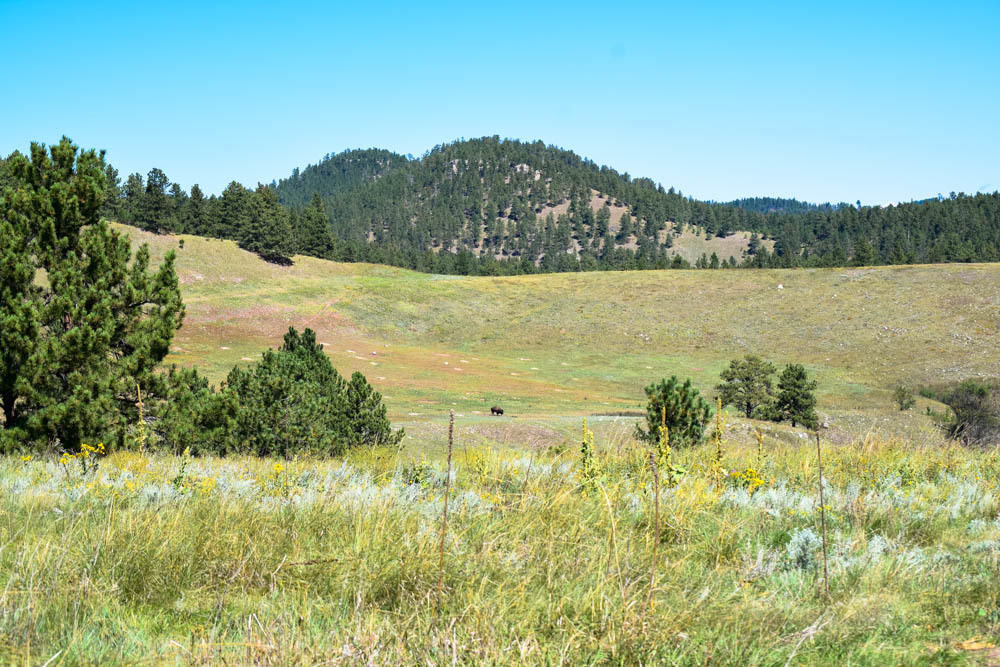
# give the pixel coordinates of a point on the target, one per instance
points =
(903, 396)
(976, 406)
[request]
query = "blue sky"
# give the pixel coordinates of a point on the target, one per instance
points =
(822, 101)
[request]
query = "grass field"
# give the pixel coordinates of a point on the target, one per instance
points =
(153, 559)
(160, 560)
(552, 347)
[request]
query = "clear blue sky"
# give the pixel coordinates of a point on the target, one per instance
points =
(825, 101)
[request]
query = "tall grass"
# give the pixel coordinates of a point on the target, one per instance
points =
(165, 559)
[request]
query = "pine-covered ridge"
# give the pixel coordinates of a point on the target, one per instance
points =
(506, 199)
(492, 206)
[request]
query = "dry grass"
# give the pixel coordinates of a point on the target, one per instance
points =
(155, 560)
(572, 344)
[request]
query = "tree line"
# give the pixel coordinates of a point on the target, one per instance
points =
(500, 207)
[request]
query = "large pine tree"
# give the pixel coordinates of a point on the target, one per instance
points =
(268, 231)
(81, 344)
(314, 230)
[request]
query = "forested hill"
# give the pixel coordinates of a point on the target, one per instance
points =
(504, 199)
(493, 206)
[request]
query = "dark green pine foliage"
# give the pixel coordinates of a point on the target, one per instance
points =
(103, 322)
(20, 300)
(232, 212)
(367, 422)
(864, 254)
(686, 412)
(267, 231)
(195, 217)
(314, 236)
(114, 195)
(293, 400)
(132, 200)
(194, 417)
(747, 384)
(796, 400)
(6, 178)
(154, 210)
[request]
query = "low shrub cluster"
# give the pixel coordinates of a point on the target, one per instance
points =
(676, 409)
(975, 405)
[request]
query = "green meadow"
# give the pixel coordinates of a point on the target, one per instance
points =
(551, 347)
(728, 556)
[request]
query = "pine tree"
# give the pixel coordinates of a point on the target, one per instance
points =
(796, 401)
(314, 230)
(232, 212)
(132, 200)
(103, 323)
(154, 209)
(268, 231)
(747, 384)
(195, 214)
(864, 254)
(114, 195)
(685, 411)
(19, 304)
(293, 400)
(368, 424)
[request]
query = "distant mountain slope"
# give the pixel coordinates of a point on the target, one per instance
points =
(506, 199)
(551, 209)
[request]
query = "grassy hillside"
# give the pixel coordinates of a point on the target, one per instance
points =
(560, 345)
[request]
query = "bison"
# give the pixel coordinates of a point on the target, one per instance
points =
(496, 410)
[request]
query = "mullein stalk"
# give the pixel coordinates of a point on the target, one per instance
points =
(656, 524)
(720, 425)
(822, 516)
(760, 448)
(444, 517)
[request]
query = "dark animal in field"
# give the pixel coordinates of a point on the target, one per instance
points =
(496, 410)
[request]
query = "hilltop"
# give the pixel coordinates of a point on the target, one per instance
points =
(547, 208)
